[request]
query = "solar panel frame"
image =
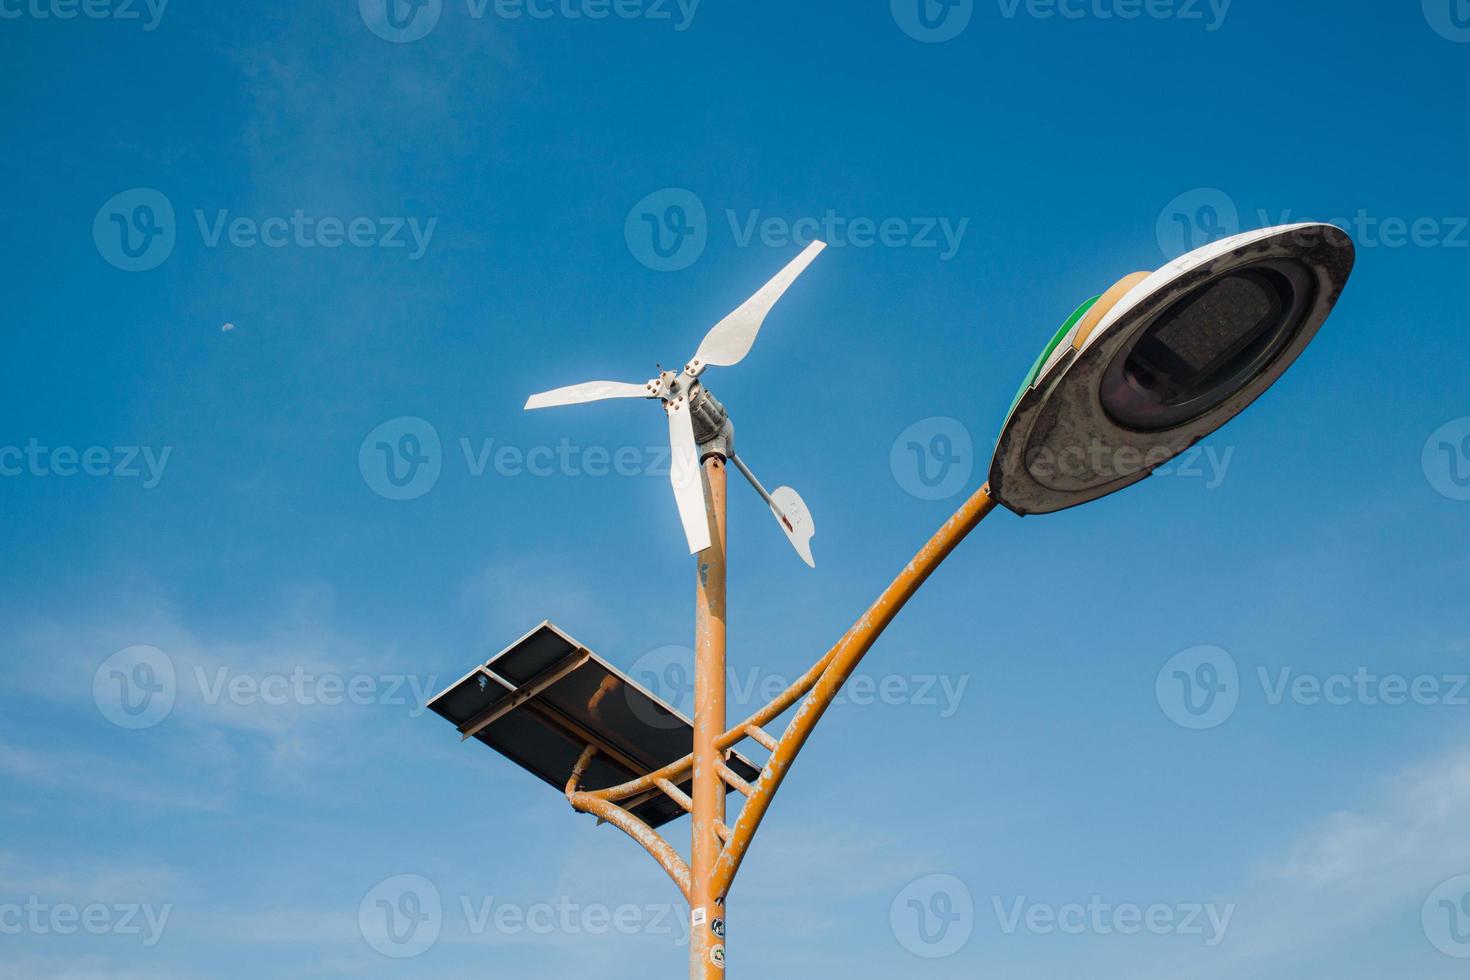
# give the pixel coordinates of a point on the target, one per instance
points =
(543, 699)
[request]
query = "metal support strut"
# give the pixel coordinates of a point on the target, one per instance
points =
(718, 849)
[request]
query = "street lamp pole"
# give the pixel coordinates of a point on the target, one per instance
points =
(717, 849)
(1150, 367)
(707, 905)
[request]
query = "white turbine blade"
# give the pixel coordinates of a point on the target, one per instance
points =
(790, 510)
(592, 391)
(796, 521)
(732, 337)
(684, 473)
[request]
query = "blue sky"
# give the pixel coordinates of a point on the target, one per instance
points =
(333, 227)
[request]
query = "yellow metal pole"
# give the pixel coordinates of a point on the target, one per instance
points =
(707, 914)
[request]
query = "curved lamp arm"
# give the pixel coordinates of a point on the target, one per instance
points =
(821, 684)
(663, 852)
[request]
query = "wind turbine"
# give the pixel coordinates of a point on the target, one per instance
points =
(699, 424)
(1132, 379)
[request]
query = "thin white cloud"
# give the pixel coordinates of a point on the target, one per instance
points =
(19, 967)
(277, 706)
(99, 778)
(1353, 874)
(97, 881)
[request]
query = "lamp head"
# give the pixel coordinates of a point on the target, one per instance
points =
(1162, 360)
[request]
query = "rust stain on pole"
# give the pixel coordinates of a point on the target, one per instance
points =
(706, 949)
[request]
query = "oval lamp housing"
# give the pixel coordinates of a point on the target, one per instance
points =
(1177, 354)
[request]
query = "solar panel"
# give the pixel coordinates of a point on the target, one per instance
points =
(546, 697)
